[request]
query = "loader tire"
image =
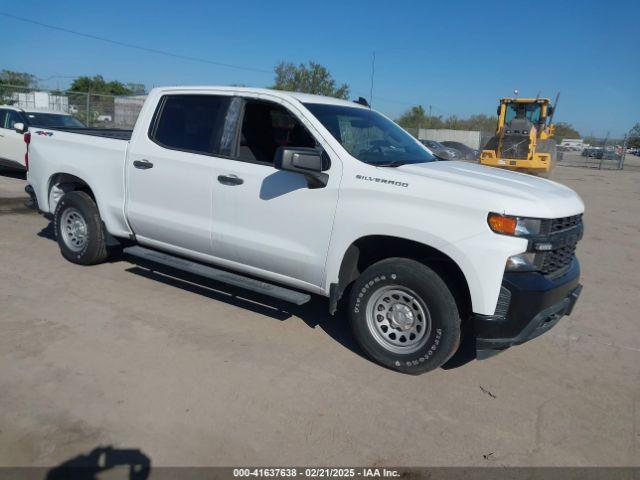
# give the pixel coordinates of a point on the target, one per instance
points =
(548, 146)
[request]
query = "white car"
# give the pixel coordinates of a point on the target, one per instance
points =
(14, 122)
(290, 194)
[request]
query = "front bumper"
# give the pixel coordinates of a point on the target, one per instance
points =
(530, 304)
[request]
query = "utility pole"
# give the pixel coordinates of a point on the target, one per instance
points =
(87, 108)
(373, 71)
(604, 150)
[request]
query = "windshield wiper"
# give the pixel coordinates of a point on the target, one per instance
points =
(395, 163)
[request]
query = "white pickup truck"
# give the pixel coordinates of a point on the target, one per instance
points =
(15, 121)
(291, 194)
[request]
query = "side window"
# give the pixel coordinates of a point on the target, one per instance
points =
(191, 123)
(267, 126)
(3, 116)
(13, 117)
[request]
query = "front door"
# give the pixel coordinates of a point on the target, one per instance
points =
(12, 146)
(269, 219)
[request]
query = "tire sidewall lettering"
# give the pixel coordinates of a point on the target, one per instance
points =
(365, 289)
(433, 344)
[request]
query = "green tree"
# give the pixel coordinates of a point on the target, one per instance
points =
(481, 122)
(98, 85)
(415, 117)
(313, 78)
(10, 79)
(99, 101)
(633, 140)
(565, 130)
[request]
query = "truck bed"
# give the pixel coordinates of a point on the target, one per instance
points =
(115, 133)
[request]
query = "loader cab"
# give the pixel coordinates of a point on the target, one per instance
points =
(522, 114)
(521, 111)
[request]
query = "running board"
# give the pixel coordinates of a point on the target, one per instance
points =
(222, 276)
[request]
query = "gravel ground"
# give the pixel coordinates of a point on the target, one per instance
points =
(194, 373)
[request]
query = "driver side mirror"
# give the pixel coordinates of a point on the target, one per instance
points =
(307, 161)
(20, 127)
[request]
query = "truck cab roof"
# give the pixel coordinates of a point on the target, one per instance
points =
(300, 97)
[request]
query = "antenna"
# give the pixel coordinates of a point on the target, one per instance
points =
(373, 71)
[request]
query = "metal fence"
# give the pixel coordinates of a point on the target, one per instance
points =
(92, 109)
(607, 155)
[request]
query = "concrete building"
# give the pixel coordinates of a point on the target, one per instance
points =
(470, 138)
(40, 101)
(126, 110)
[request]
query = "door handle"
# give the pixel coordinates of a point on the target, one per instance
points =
(230, 180)
(143, 164)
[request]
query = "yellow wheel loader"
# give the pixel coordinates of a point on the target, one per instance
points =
(523, 139)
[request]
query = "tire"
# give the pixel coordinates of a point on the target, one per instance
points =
(401, 291)
(83, 239)
(548, 146)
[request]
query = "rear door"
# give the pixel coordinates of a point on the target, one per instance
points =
(171, 171)
(12, 146)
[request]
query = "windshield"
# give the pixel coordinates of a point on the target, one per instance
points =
(530, 111)
(44, 120)
(370, 137)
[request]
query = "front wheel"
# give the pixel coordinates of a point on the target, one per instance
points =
(404, 316)
(79, 229)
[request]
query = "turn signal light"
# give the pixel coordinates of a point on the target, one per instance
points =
(502, 224)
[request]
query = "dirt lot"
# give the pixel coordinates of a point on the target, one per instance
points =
(198, 374)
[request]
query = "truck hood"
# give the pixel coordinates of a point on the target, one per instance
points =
(517, 193)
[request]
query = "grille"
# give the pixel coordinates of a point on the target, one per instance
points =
(515, 146)
(559, 259)
(559, 224)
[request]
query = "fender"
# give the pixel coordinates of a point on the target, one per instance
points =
(482, 272)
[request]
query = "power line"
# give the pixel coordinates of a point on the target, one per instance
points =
(131, 45)
(179, 56)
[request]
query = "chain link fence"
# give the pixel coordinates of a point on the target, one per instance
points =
(93, 110)
(607, 155)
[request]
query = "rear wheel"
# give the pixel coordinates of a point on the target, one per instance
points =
(79, 229)
(404, 316)
(548, 146)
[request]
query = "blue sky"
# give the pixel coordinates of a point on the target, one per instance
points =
(459, 56)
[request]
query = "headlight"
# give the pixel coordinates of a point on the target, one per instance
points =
(524, 262)
(515, 226)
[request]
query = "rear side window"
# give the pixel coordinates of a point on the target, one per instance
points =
(3, 116)
(191, 123)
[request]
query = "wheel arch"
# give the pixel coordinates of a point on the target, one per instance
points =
(367, 250)
(63, 183)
